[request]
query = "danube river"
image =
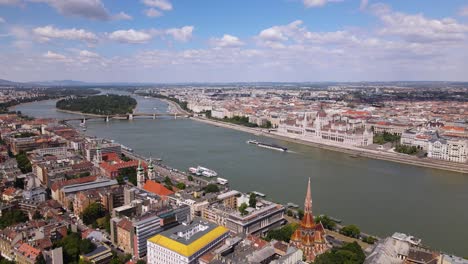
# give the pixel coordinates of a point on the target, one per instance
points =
(380, 197)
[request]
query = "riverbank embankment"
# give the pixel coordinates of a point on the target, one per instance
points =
(354, 151)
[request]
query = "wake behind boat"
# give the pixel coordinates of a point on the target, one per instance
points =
(266, 145)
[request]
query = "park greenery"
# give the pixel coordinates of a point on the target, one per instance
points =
(410, 150)
(49, 93)
(326, 222)
(23, 162)
(282, 234)
(350, 253)
(211, 188)
(91, 213)
(110, 104)
(351, 231)
(12, 217)
(73, 246)
(181, 186)
(385, 137)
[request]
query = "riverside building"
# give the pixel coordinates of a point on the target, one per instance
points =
(327, 129)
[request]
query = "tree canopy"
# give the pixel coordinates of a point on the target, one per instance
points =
(73, 246)
(351, 231)
(110, 104)
(350, 253)
(326, 222)
(12, 217)
(243, 209)
(211, 188)
(282, 234)
(91, 213)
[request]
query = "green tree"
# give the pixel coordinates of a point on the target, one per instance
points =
(100, 104)
(369, 240)
(351, 231)
(168, 181)
(242, 209)
(130, 173)
(140, 261)
(12, 217)
(253, 200)
(73, 246)
(326, 222)
(19, 183)
(37, 215)
(91, 213)
(23, 162)
(282, 234)
(300, 213)
(181, 186)
(350, 253)
(120, 179)
(190, 178)
(40, 259)
(211, 188)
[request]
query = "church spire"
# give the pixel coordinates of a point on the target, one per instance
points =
(308, 200)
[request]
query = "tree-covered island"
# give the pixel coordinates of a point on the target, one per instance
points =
(99, 105)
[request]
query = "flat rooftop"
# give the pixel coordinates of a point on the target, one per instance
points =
(187, 239)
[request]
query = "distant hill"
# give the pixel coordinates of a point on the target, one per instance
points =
(59, 83)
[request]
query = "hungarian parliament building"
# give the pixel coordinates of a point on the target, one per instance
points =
(320, 127)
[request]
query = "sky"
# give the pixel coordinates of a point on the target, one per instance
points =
(176, 41)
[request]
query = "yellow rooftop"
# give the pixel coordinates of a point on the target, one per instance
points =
(188, 249)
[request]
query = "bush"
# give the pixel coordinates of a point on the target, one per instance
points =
(351, 231)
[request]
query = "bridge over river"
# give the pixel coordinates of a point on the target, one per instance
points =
(131, 116)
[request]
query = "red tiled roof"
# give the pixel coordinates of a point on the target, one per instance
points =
(157, 188)
(59, 185)
(10, 191)
(29, 251)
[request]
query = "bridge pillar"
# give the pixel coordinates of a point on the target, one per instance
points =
(154, 116)
(130, 116)
(175, 115)
(84, 121)
(107, 118)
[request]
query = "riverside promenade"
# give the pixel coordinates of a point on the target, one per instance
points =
(355, 151)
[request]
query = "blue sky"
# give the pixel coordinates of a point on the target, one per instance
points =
(230, 41)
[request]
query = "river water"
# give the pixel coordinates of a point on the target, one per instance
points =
(378, 196)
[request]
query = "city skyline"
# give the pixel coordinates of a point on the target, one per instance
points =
(285, 41)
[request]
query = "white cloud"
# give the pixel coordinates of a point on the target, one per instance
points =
(2, 20)
(227, 41)
(161, 4)
(418, 28)
(122, 16)
(50, 32)
(93, 9)
(54, 56)
(182, 34)
(463, 11)
(364, 4)
(88, 54)
(318, 3)
(130, 36)
(151, 12)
